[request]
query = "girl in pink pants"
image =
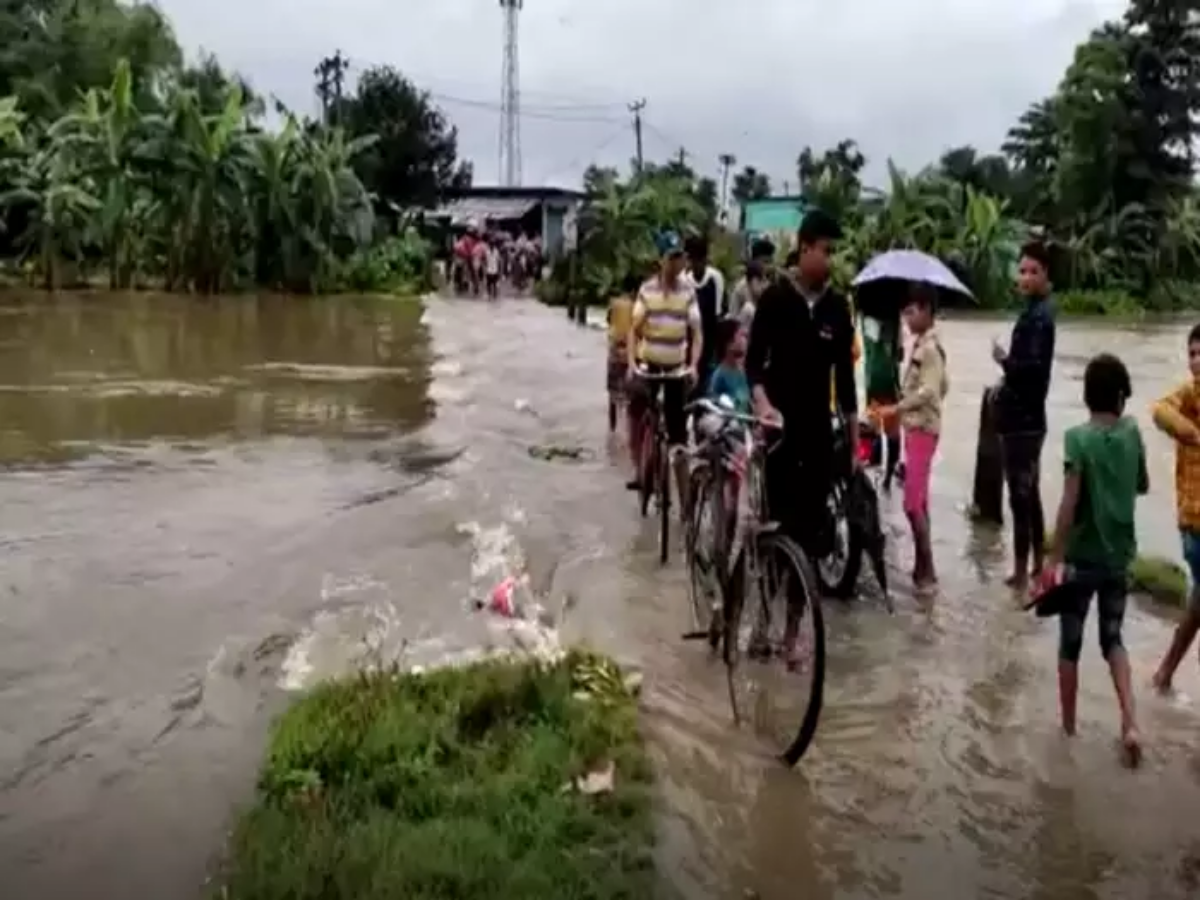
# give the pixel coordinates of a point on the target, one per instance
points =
(924, 386)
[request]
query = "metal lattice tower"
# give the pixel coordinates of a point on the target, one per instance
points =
(510, 98)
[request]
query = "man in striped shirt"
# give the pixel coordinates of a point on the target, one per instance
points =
(666, 337)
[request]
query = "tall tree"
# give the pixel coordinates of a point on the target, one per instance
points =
(1033, 147)
(832, 180)
(1163, 49)
(751, 184)
(415, 160)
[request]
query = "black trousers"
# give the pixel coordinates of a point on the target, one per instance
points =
(799, 476)
(1022, 453)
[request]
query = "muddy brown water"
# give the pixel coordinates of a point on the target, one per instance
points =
(205, 502)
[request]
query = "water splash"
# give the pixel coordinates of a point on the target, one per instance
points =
(361, 629)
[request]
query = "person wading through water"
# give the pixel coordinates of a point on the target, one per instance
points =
(709, 286)
(802, 336)
(1021, 410)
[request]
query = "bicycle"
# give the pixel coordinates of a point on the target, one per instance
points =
(654, 468)
(746, 550)
(853, 506)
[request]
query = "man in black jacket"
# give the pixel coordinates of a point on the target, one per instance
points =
(1021, 410)
(801, 341)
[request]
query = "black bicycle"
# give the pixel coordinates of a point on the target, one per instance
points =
(853, 509)
(753, 588)
(654, 457)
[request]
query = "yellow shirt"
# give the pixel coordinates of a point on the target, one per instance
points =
(620, 320)
(1178, 414)
(666, 317)
(855, 354)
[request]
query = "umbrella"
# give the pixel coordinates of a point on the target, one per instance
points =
(910, 265)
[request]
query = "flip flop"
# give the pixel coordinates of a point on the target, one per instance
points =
(1055, 600)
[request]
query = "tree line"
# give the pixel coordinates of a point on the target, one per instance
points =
(1104, 167)
(120, 159)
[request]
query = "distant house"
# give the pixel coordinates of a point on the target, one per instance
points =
(771, 215)
(541, 212)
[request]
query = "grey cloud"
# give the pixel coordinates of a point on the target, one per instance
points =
(758, 78)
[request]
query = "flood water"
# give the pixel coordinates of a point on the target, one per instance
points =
(203, 503)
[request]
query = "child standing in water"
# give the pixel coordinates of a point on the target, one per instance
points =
(620, 320)
(1105, 472)
(924, 387)
(1178, 414)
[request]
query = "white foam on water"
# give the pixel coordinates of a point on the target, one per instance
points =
(372, 634)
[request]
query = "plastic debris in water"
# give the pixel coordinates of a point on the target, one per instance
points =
(502, 599)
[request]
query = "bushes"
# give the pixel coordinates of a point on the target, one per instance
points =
(398, 265)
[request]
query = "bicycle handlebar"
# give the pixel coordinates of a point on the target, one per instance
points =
(707, 405)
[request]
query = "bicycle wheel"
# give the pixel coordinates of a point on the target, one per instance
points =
(838, 572)
(775, 646)
(703, 539)
(664, 502)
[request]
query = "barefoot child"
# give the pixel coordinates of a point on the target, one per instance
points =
(1105, 466)
(919, 409)
(620, 319)
(1178, 414)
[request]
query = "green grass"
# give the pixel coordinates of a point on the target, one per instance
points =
(1159, 579)
(1156, 577)
(453, 784)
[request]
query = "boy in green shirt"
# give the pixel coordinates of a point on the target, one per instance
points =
(1105, 463)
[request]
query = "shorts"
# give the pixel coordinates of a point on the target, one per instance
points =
(1191, 557)
(618, 369)
(920, 447)
(1110, 588)
(674, 399)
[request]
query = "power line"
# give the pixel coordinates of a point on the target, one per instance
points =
(525, 111)
(585, 159)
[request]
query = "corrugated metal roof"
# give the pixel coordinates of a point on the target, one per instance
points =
(479, 209)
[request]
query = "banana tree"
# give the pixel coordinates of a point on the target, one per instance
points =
(214, 162)
(104, 132)
(329, 198)
(273, 160)
(58, 203)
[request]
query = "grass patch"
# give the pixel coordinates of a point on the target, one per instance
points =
(1159, 579)
(1156, 577)
(453, 784)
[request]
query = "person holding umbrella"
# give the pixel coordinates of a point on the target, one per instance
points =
(915, 278)
(919, 411)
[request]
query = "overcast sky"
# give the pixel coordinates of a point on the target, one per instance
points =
(756, 78)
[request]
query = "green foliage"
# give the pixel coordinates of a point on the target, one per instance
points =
(1159, 579)
(118, 160)
(452, 784)
(398, 265)
(1099, 303)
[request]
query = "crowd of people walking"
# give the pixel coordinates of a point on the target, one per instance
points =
(481, 260)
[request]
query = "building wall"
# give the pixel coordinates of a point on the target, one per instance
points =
(553, 214)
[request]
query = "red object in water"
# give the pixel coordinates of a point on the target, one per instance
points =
(865, 447)
(501, 599)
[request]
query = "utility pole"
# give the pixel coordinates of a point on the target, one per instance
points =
(636, 109)
(727, 161)
(681, 157)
